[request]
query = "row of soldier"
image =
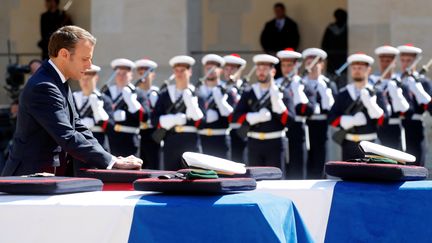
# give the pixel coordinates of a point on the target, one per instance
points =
(223, 114)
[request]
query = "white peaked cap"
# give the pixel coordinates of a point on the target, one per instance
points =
(409, 48)
(93, 68)
(376, 149)
(314, 52)
(213, 58)
(182, 59)
(386, 50)
(213, 163)
(288, 53)
(122, 62)
(234, 59)
(145, 63)
(360, 57)
(265, 58)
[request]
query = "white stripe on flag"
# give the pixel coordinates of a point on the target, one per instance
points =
(80, 217)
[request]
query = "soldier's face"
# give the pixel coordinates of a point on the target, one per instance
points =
(78, 61)
(265, 72)
(182, 72)
(406, 60)
(123, 76)
(287, 65)
(385, 61)
(360, 71)
(88, 81)
(230, 69)
(214, 75)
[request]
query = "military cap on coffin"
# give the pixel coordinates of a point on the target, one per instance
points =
(380, 164)
(200, 181)
(48, 185)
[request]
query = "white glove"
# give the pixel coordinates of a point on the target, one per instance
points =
(399, 103)
(119, 115)
(220, 99)
(347, 122)
(276, 96)
(417, 89)
(192, 108)
(170, 120)
(211, 116)
(263, 115)
(299, 96)
(99, 113)
(317, 109)
(88, 122)
(327, 99)
(371, 105)
(131, 100)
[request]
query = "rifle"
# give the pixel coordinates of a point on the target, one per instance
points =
(426, 67)
(342, 68)
(308, 69)
(108, 82)
(357, 106)
(409, 70)
(246, 79)
(144, 76)
(178, 106)
(265, 101)
(166, 82)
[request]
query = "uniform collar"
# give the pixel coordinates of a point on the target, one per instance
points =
(62, 77)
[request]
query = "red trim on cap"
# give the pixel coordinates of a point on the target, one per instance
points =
(241, 119)
(235, 55)
(362, 53)
(336, 122)
(409, 44)
(289, 49)
(284, 117)
(381, 121)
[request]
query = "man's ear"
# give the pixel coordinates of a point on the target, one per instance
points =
(63, 53)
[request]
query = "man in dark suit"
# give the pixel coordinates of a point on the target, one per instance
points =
(49, 130)
(280, 32)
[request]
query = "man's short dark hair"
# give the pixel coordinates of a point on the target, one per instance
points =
(279, 5)
(67, 37)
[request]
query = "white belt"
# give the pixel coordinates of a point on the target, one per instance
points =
(213, 132)
(97, 129)
(182, 129)
(361, 137)
(417, 117)
(394, 121)
(266, 135)
(234, 125)
(300, 119)
(319, 117)
(145, 125)
(126, 129)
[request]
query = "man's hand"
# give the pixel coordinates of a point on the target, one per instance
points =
(129, 163)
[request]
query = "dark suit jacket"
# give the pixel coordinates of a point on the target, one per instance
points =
(48, 126)
(273, 40)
